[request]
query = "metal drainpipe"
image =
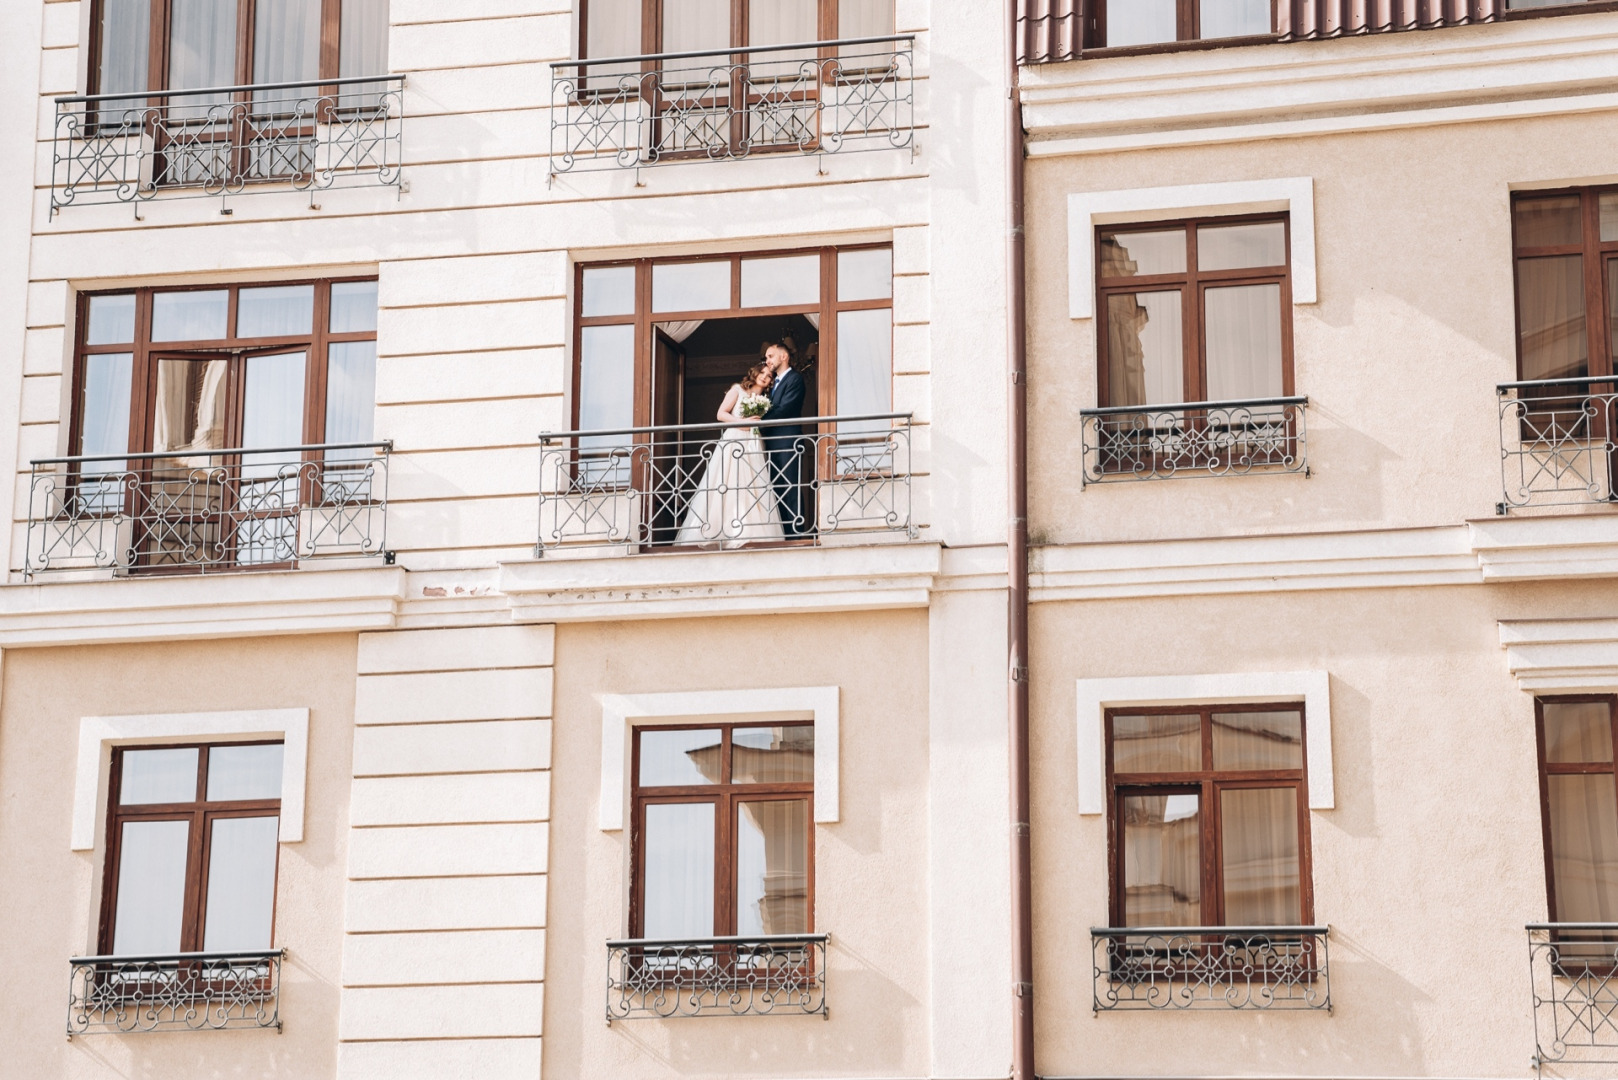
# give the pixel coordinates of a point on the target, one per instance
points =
(1022, 941)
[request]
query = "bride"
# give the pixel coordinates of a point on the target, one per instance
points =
(735, 502)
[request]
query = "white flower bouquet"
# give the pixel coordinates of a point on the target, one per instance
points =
(752, 406)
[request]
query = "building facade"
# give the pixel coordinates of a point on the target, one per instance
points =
(508, 568)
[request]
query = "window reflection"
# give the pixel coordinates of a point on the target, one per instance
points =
(772, 867)
(1550, 299)
(1154, 744)
(1145, 349)
(1258, 740)
(1162, 860)
(773, 755)
(680, 758)
(1143, 254)
(1578, 732)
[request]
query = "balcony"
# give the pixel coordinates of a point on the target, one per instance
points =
(1204, 438)
(1172, 969)
(204, 511)
(1557, 442)
(307, 136)
(1572, 967)
(180, 992)
(643, 489)
(779, 975)
(823, 97)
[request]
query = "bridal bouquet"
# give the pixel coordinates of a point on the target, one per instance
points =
(752, 406)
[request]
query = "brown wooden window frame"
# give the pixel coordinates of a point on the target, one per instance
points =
(1188, 22)
(201, 814)
(651, 25)
(1596, 255)
(1192, 285)
(1206, 783)
(1548, 769)
(143, 373)
(724, 797)
(157, 65)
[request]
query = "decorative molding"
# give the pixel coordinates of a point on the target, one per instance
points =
(1095, 696)
(620, 713)
(1546, 548)
(1087, 209)
(98, 734)
(1562, 655)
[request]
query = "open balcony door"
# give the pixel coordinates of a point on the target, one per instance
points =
(667, 485)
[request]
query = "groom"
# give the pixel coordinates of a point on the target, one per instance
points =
(785, 444)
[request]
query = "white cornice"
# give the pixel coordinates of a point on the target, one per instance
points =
(1522, 68)
(1562, 655)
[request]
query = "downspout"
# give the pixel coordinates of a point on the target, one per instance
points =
(1022, 934)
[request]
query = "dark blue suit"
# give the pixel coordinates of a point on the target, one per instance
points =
(788, 451)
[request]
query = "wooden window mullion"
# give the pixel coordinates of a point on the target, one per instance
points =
(331, 22)
(1193, 364)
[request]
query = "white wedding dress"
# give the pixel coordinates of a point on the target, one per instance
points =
(735, 502)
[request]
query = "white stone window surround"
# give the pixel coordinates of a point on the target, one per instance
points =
(621, 713)
(99, 734)
(1096, 696)
(1087, 209)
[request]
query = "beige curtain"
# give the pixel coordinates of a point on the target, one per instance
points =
(1550, 297)
(1259, 834)
(613, 28)
(782, 22)
(772, 867)
(696, 25)
(286, 42)
(1584, 847)
(1162, 863)
(190, 410)
(864, 18)
(1243, 330)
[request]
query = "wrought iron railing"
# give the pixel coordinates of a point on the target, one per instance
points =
(179, 992)
(202, 511)
(1573, 968)
(1211, 967)
(311, 135)
(821, 97)
(781, 974)
(1558, 442)
(686, 486)
(1203, 438)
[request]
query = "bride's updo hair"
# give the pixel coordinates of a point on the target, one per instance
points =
(754, 379)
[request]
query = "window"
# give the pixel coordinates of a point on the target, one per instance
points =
(201, 44)
(635, 27)
(1566, 247)
(1579, 798)
(1195, 311)
(192, 835)
(723, 841)
(1124, 23)
(1209, 817)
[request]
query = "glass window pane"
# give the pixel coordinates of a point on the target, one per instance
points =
(864, 18)
(363, 38)
(272, 409)
(772, 867)
(1577, 732)
(1584, 847)
(158, 776)
(286, 41)
(1141, 22)
(151, 887)
(190, 316)
(351, 392)
(1243, 342)
(1143, 254)
(353, 307)
(1549, 222)
(1258, 740)
(703, 286)
(773, 755)
(694, 25)
(244, 772)
(1259, 831)
(241, 884)
(606, 401)
(1155, 744)
(679, 871)
(780, 282)
(782, 22)
(1550, 317)
(190, 409)
(610, 290)
(112, 320)
(613, 28)
(1145, 349)
(125, 46)
(1242, 247)
(1235, 18)
(866, 274)
(680, 758)
(864, 366)
(104, 415)
(202, 45)
(276, 311)
(1162, 860)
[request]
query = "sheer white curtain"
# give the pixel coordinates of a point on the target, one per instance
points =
(679, 876)
(782, 22)
(612, 28)
(1243, 328)
(696, 25)
(679, 331)
(362, 44)
(125, 45)
(286, 41)
(202, 44)
(864, 18)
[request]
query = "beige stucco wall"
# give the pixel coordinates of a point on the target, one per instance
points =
(1426, 870)
(51, 890)
(1400, 357)
(870, 867)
